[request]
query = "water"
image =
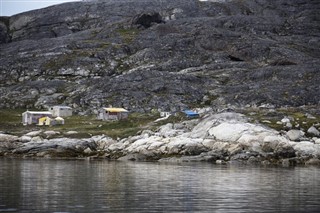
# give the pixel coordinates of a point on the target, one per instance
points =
(103, 186)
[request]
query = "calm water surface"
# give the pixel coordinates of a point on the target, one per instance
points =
(103, 186)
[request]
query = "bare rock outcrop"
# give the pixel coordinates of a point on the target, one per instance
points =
(151, 54)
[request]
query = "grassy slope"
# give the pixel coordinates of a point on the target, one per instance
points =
(298, 116)
(86, 126)
(10, 122)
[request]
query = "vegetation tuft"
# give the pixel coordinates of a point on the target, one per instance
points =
(128, 35)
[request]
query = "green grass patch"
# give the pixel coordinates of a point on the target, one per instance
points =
(301, 117)
(271, 118)
(65, 60)
(128, 35)
(11, 122)
(85, 126)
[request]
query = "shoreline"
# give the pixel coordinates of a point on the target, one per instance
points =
(219, 138)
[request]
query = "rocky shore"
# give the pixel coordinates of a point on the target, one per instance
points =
(220, 138)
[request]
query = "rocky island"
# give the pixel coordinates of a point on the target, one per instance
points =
(237, 59)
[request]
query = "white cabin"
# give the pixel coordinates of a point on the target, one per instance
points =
(32, 117)
(61, 111)
(113, 114)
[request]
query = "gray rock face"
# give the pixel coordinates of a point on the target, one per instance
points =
(217, 137)
(146, 20)
(8, 138)
(4, 34)
(161, 54)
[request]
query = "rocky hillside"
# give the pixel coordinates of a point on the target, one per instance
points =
(164, 54)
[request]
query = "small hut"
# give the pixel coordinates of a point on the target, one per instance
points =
(47, 121)
(61, 111)
(44, 121)
(113, 114)
(59, 121)
(165, 114)
(191, 114)
(32, 117)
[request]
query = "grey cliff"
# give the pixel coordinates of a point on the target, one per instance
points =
(145, 54)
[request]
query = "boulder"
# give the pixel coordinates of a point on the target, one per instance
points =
(36, 139)
(51, 133)
(116, 147)
(103, 142)
(306, 148)
(295, 135)
(178, 144)
(313, 161)
(220, 147)
(87, 151)
(61, 146)
(242, 156)
(313, 131)
(252, 146)
(71, 133)
(270, 142)
(167, 130)
(284, 150)
(228, 132)
(289, 125)
(141, 144)
(235, 149)
(8, 138)
(288, 162)
(34, 133)
(285, 120)
(25, 139)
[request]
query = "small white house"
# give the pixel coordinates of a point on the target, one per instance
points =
(113, 114)
(61, 111)
(165, 114)
(32, 117)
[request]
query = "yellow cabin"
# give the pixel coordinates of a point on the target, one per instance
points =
(113, 114)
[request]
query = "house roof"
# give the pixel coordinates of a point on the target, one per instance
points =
(64, 107)
(190, 112)
(115, 109)
(39, 112)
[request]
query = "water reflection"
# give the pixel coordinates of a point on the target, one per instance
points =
(102, 186)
